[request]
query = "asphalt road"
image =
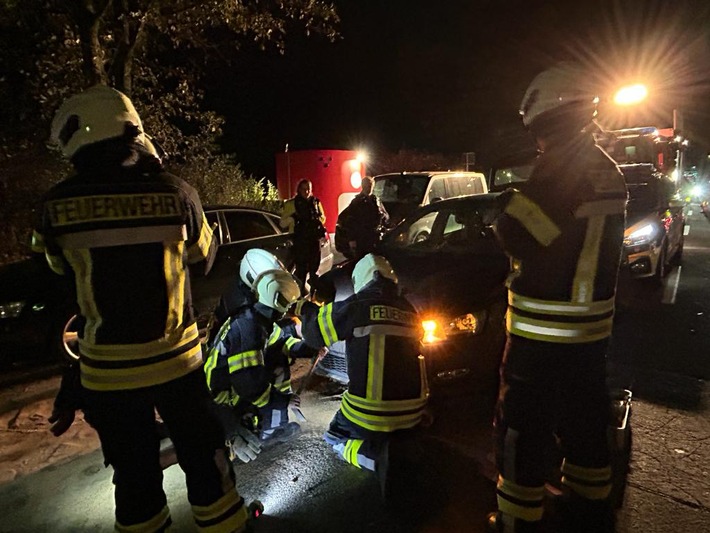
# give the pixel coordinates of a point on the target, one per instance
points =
(661, 351)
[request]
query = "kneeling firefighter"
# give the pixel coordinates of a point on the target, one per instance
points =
(247, 369)
(387, 391)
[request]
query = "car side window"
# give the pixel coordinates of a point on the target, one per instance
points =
(244, 225)
(437, 190)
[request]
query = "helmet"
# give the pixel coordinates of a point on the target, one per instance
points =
(557, 87)
(366, 267)
(277, 289)
(254, 263)
(97, 114)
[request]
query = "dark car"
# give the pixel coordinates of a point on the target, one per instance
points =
(451, 268)
(36, 305)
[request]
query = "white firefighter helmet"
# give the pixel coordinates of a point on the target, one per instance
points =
(277, 289)
(557, 87)
(97, 114)
(366, 268)
(254, 263)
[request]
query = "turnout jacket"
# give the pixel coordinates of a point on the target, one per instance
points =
(564, 231)
(304, 217)
(125, 236)
(250, 358)
(387, 387)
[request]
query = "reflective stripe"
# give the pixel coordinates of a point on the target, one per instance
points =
(155, 523)
(533, 219)
(558, 332)
(275, 334)
(56, 263)
(352, 446)
(213, 356)
(38, 244)
(385, 422)
(601, 208)
(131, 352)
(246, 359)
(201, 249)
(384, 406)
(583, 284)
(384, 329)
(122, 236)
(590, 483)
(80, 262)
(175, 281)
(518, 501)
(262, 400)
(227, 514)
(423, 377)
(375, 366)
(325, 323)
(525, 303)
(284, 386)
(288, 345)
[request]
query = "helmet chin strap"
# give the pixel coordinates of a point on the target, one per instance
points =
(270, 314)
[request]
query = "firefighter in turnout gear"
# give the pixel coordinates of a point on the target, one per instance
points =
(563, 230)
(124, 232)
(247, 369)
(387, 391)
(361, 224)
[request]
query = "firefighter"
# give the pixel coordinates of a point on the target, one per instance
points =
(304, 216)
(361, 223)
(563, 230)
(124, 232)
(387, 391)
(247, 369)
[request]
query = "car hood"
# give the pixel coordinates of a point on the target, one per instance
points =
(634, 217)
(398, 211)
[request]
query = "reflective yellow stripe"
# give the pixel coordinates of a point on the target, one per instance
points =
(226, 515)
(106, 379)
(423, 377)
(153, 524)
(201, 249)
(384, 406)
(509, 494)
(382, 423)
(375, 366)
(284, 386)
(175, 281)
(525, 303)
(262, 400)
(533, 219)
(590, 483)
(38, 244)
(325, 323)
(558, 332)
(213, 356)
(129, 352)
(352, 447)
(275, 334)
(243, 360)
(601, 207)
(583, 285)
(80, 262)
(288, 345)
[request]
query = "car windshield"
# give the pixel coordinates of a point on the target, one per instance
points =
(402, 188)
(461, 226)
(504, 177)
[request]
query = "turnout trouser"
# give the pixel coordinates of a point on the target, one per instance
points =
(125, 422)
(356, 445)
(551, 393)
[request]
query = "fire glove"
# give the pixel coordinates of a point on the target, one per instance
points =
(61, 420)
(244, 445)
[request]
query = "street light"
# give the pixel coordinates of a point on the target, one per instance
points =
(631, 94)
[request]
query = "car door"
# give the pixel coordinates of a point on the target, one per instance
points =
(237, 230)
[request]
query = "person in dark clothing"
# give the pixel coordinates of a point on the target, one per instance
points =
(387, 391)
(563, 230)
(124, 232)
(303, 215)
(361, 224)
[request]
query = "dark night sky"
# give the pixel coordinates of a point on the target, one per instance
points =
(448, 76)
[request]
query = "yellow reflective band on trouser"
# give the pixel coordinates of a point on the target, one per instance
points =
(226, 515)
(533, 219)
(262, 400)
(325, 323)
(518, 501)
(558, 332)
(391, 419)
(156, 523)
(201, 249)
(243, 360)
(589, 483)
(352, 446)
(553, 307)
(375, 366)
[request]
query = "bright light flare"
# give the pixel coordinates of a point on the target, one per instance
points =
(631, 94)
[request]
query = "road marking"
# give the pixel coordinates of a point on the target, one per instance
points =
(686, 229)
(671, 287)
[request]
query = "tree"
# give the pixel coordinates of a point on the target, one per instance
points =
(156, 51)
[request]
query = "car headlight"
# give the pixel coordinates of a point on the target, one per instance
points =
(11, 309)
(437, 329)
(643, 235)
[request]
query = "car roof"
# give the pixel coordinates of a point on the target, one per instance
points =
(483, 198)
(429, 173)
(223, 207)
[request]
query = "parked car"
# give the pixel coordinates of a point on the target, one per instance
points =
(401, 193)
(655, 222)
(36, 305)
(454, 277)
